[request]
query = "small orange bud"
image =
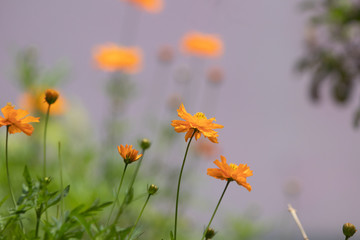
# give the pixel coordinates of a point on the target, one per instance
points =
(51, 96)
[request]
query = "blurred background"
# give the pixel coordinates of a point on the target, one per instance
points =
(296, 135)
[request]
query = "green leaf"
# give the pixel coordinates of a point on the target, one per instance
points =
(27, 177)
(56, 199)
(171, 235)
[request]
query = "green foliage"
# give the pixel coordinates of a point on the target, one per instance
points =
(332, 49)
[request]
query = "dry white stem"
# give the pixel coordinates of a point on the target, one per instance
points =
(294, 215)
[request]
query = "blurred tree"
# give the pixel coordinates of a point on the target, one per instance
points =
(332, 43)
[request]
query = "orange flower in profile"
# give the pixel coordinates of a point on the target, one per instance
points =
(198, 123)
(36, 102)
(231, 172)
(128, 154)
(16, 121)
(200, 44)
(111, 57)
(152, 6)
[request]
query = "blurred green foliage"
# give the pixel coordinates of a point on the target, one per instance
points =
(332, 53)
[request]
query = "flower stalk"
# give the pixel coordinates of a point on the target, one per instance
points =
(45, 131)
(137, 220)
(117, 193)
(179, 182)
(216, 208)
(7, 166)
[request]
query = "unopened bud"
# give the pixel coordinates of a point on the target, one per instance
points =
(51, 96)
(349, 230)
(145, 143)
(47, 180)
(166, 54)
(152, 189)
(210, 233)
(215, 75)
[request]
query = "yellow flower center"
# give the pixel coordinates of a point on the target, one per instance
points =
(200, 115)
(9, 104)
(233, 166)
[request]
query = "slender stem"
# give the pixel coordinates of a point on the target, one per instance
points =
(61, 181)
(117, 193)
(38, 217)
(45, 130)
(122, 206)
(7, 166)
(137, 169)
(217, 206)
(137, 220)
(297, 221)
(178, 186)
(37, 225)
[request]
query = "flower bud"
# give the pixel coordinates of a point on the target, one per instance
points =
(152, 189)
(145, 143)
(51, 96)
(210, 233)
(47, 180)
(349, 230)
(166, 54)
(215, 75)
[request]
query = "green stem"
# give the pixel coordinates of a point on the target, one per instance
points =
(61, 181)
(178, 186)
(137, 169)
(117, 193)
(7, 166)
(45, 130)
(121, 209)
(38, 217)
(217, 206)
(137, 220)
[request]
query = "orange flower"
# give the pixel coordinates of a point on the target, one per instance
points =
(231, 172)
(152, 6)
(198, 123)
(200, 44)
(35, 102)
(111, 57)
(16, 120)
(128, 154)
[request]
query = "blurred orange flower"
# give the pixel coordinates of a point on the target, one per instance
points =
(16, 120)
(231, 172)
(198, 123)
(206, 149)
(111, 57)
(128, 154)
(152, 6)
(207, 45)
(36, 102)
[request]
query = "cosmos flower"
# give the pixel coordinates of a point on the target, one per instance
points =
(111, 57)
(204, 45)
(198, 123)
(231, 172)
(16, 121)
(128, 153)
